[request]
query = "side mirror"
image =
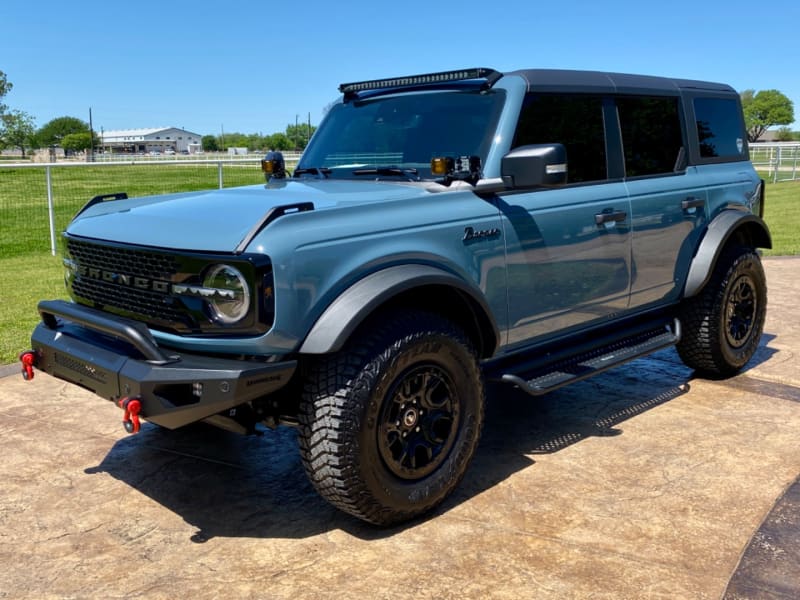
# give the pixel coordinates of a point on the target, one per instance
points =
(534, 165)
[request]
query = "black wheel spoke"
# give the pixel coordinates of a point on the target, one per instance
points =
(740, 311)
(722, 324)
(389, 424)
(419, 422)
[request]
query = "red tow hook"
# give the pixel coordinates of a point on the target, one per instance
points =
(28, 359)
(130, 421)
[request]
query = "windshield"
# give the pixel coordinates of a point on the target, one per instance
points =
(397, 136)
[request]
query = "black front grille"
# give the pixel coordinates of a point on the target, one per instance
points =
(139, 263)
(129, 281)
(151, 305)
(137, 283)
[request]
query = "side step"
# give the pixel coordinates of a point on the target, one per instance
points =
(549, 377)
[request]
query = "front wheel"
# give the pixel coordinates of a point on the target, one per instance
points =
(390, 423)
(722, 325)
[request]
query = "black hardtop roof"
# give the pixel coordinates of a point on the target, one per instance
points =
(562, 80)
(538, 80)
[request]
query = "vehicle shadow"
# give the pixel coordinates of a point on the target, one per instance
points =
(764, 352)
(227, 485)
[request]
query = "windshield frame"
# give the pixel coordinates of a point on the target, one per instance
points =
(411, 128)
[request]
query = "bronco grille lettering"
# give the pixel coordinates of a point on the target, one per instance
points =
(141, 283)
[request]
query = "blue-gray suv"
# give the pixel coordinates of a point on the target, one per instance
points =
(534, 227)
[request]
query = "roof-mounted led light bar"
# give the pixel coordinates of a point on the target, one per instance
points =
(490, 77)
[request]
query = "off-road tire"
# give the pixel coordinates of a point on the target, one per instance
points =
(389, 424)
(722, 325)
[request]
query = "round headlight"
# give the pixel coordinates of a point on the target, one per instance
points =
(227, 294)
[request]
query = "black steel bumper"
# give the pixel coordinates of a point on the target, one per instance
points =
(117, 358)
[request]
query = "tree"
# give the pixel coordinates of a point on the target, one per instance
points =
(764, 109)
(209, 143)
(233, 139)
(17, 129)
(300, 134)
(256, 141)
(52, 132)
(5, 87)
(77, 142)
(784, 134)
(279, 141)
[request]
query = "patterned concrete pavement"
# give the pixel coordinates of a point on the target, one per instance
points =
(643, 482)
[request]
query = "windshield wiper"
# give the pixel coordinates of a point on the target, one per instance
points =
(409, 173)
(321, 172)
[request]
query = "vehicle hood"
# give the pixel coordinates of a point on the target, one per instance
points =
(218, 220)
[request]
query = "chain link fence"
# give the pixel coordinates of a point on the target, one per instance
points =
(37, 201)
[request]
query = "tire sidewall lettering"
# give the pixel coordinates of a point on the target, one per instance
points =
(430, 488)
(739, 356)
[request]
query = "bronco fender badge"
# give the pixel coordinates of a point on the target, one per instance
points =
(472, 235)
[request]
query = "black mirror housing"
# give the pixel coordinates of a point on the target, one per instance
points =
(535, 165)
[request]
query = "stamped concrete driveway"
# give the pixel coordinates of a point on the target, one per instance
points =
(643, 482)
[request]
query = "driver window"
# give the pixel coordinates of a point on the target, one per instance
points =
(576, 121)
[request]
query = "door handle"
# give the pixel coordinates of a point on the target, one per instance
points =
(612, 216)
(692, 202)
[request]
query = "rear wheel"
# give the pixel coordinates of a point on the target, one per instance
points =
(390, 423)
(722, 325)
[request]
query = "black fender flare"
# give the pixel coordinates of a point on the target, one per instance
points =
(356, 303)
(719, 231)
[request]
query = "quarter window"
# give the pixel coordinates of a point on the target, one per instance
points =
(719, 128)
(576, 121)
(651, 135)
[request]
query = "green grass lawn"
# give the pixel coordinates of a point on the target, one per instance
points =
(782, 214)
(26, 280)
(33, 274)
(24, 204)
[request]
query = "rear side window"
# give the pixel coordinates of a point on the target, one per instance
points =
(576, 121)
(651, 135)
(719, 128)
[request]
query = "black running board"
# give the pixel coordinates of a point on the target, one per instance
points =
(590, 363)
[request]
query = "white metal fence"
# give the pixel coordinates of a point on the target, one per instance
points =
(289, 157)
(37, 200)
(778, 161)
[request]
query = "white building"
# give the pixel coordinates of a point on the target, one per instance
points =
(163, 139)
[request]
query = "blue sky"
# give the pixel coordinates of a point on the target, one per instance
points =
(255, 67)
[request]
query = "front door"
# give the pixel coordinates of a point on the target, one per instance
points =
(568, 258)
(568, 247)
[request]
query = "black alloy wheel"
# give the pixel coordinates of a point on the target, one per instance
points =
(389, 424)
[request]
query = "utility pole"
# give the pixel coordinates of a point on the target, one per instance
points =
(91, 138)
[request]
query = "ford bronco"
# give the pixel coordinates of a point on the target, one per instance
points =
(534, 227)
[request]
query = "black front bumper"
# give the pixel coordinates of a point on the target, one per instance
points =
(117, 358)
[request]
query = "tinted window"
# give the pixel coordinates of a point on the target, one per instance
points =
(719, 128)
(651, 135)
(404, 131)
(574, 121)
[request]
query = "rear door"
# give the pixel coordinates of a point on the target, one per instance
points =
(668, 200)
